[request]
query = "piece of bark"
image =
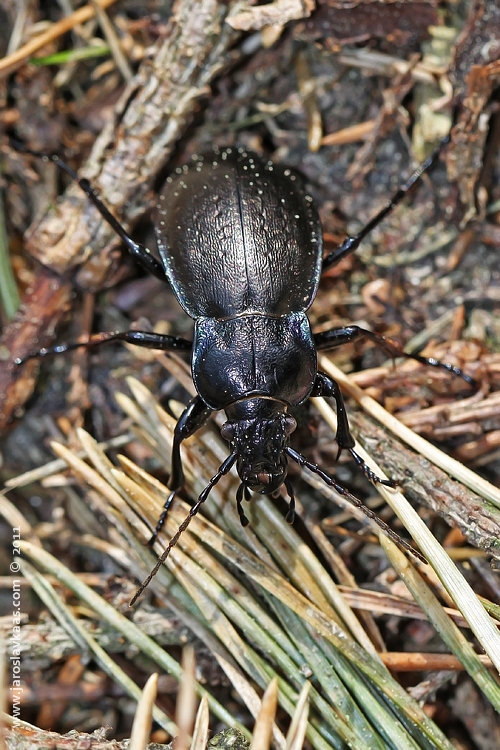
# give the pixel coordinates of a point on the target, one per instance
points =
(278, 12)
(34, 324)
(475, 73)
(26, 737)
(426, 484)
(402, 23)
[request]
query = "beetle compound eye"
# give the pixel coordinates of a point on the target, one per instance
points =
(290, 425)
(227, 431)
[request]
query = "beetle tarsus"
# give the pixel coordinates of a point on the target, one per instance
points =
(240, 493)
(163, 517)
(369, 473)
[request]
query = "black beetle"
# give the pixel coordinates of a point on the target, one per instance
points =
(240, 243)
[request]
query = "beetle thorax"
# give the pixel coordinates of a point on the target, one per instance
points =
(258, 430)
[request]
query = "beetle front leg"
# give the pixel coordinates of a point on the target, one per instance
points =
(338, 336)
(192, 418)
(328, 388)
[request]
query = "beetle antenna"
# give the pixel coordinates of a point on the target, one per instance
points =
(224, 468)
(327, 479)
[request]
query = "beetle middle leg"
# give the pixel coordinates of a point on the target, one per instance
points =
(147, 339)
(338, 336)
(325, 386)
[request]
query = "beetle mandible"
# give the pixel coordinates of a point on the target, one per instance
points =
(240, 243)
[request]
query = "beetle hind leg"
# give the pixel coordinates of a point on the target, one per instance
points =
(350, 244)
(141, 254)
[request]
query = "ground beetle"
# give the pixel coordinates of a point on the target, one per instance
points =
(240, 243)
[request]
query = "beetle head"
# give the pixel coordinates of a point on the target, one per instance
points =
(258, 430)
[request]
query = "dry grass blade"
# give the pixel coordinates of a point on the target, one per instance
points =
(351, 134)
(143, 719)
(53, 467)
(61, 612)
(309, 102)
(384, 603)
(186, 699)
(106, 611)
(98, 457)
(263, 729)
(407, 661)
(114, 43)
(16, 519)
(17, 58)
(200, 732)
(297, 732)
(444, 625)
